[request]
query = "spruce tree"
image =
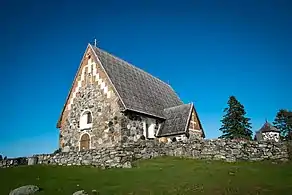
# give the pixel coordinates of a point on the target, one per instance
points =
(234, 123)
(283, 122)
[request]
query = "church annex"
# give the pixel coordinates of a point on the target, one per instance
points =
(112, 102)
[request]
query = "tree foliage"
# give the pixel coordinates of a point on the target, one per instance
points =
(1, 158)
(234, 123)
(283, 122)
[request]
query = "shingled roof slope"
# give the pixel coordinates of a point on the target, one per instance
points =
(267, 127)
(138, 90)
(176, 120)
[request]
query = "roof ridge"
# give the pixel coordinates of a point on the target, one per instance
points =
(131, 65)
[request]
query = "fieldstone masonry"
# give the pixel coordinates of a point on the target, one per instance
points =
(110, 126)
(132, 127)
(124, 155)
(106, 116)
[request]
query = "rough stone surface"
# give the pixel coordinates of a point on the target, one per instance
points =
(66, 149)
(132, 127)
(103, 157)
(25, 190)
(80, 192)
(123, 155)
(14, 162)
(32, 160)
(105, 129)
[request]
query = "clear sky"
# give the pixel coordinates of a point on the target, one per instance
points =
(207, 50)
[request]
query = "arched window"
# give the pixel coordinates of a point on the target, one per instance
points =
(84, 142)
(85, 120)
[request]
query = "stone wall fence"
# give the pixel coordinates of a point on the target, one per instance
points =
(123, 156)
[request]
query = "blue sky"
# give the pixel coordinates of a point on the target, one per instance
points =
(207, 51)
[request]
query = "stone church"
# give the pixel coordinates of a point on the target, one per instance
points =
(112, 102)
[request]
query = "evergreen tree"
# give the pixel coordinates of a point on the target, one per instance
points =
(234, 123)
(1, 158)
(283, 122)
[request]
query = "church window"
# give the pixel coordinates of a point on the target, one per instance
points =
(89, 118)
(85, 120)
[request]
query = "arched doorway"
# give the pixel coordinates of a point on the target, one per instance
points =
(84, 142)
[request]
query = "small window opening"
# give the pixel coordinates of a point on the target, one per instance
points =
(89, 118)
(85, 120)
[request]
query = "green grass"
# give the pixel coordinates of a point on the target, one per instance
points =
(156, 176)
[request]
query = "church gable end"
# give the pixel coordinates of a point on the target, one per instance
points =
(92, 107)
(194, 126)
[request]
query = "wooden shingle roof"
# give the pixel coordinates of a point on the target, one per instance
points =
(139, 91)
(176, 121)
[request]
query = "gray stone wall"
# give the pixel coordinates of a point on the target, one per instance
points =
(133, 127)
(195, 135)
(103, 157)
(106, 128)
(13, 162)
(125, 154)
(218, 149)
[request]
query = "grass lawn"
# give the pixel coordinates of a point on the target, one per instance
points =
(156, 176)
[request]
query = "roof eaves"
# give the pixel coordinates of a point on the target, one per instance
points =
(156, 116)
(171, 134)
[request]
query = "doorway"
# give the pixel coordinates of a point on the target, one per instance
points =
(84, 142)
